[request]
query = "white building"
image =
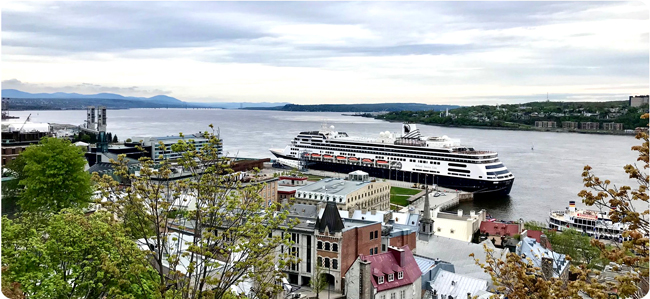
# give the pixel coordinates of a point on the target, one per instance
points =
(457, 226)
(390, 275)
(356, 192)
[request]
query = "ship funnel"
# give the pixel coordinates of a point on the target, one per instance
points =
(572, 206)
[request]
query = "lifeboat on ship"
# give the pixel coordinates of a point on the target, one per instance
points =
(353, 159)
(366, 161)
(382, 162)
(341, 158)
(328, 156)
(315, 155)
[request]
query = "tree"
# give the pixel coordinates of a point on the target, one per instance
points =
(11, 189)
(518, 278)
(70, 255)
(320, 280)
(115, 140)
(52, 176)
(627, 205)
(228, 233)
(109, 137)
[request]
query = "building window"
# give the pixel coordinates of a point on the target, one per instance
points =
(319, 245)
(392, 295)
(402, 294)
(451, 230)
(371, 234)
(335, 247)
(383, 247)
(380, 279)
(371, 251)
(327, 246)
(400, 275)
(391, 277)
(335, 264)
(376, 234)
(376, 250)
(439, 229)
(327, 262)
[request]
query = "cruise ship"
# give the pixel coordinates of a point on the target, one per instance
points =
(406, 157)
(594, 223)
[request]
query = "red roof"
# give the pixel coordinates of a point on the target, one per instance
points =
(293, 178)
(499, 229)
(389, 263)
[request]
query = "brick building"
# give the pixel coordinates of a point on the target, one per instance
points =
(570, 125)
(545, 124)
(17, 137)
(613, 126)
(589, 125)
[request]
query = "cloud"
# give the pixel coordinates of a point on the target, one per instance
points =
(412, 47)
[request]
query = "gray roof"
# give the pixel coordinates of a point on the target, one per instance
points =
(425, 264)
(453, 216)
(457, 252)
(456, 285)
(334, 186)
(536, 252)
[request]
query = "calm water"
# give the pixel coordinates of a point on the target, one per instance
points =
(545, 178)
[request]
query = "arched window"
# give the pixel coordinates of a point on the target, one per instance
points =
(319, 245)
(335, 264)
(335, 247)
(327, 246)
(327, 262)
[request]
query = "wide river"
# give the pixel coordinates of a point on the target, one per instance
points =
(546, 178)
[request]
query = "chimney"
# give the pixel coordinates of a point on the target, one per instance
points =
(460, 213)
(472, 213)
(364, 211)
(365, 286)
(350, 211)
(547, 267)
(320, 206)
(543, 240)
(373, 211)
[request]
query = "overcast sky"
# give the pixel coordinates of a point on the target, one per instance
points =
(462, 53)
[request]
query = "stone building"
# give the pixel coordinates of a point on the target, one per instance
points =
(570, 125)
(390, 275)
(545, 124)
(589, 125)
(639, 101)
(358, 192)
(613, 126)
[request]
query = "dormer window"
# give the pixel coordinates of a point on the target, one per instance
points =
(380, 280)
(400, 274)
(391, 277)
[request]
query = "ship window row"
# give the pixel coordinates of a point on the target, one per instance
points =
(396, 159)
(425, 170)
(499, 172)
(457, 165)
(458, 174)
(458, 170)
(399, 150)
(494, 166)
(399, 153)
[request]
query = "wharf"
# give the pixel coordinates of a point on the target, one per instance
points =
(448, 198)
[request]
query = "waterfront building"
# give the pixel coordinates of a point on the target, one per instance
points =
(545, 124)
(389, 275)
(456, 225)
(589, 125)
(639, 101)
(16, 137)
(552, 264)
(158, 152)
(358, 191)
(613, 126)
(570, 125)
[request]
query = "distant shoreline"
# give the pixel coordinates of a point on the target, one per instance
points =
(558, 130)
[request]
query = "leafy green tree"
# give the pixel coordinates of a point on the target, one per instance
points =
(231, 234)
(319, 282)
(70, 255)
(52, 176)
(11, 189)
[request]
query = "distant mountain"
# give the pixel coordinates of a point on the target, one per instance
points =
(21, 100)
(359, 107)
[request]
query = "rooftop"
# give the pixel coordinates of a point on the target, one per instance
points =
(451, 284)
(533, 250)
(391, 262)
(333, 186)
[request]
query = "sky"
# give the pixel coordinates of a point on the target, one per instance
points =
(462, 53)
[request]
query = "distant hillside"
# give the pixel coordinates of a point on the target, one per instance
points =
(359, 107)
(20, 100)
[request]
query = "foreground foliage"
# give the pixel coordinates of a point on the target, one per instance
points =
(70, 255)
(230, 237)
